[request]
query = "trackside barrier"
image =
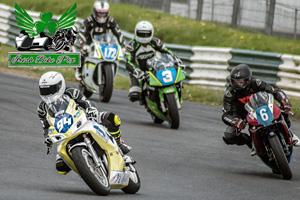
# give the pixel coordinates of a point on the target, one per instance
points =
(206, 66)
(263, 65)
(289, 75)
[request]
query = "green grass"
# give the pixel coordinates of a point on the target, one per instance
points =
(170, 29)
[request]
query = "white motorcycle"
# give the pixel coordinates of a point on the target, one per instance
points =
(101, 66)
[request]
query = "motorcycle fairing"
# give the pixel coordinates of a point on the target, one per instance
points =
(154, 108)
(171, 75)
(118, 172)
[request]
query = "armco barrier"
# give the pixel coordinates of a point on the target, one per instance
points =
(206, 66)
(264, 65)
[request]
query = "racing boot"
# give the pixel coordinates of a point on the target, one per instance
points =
(78, 75)
(124, 147)
(61, 166)
(112, 122)
(295, 139)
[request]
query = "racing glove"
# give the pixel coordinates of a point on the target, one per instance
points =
(178, 61)
(238, 123)
(287, 106)
(137, 73)
(48, 142)
(85, 50)
(92, 113)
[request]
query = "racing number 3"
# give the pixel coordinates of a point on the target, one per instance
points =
(167, 76)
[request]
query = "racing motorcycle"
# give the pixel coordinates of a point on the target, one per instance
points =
(270, 134)
(89, 150)
(100, 67)
(162, 89)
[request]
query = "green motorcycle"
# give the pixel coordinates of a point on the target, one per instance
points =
(162, 89)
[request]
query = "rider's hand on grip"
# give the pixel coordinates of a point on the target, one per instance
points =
(92, 112)
(48, 142)
(238, 123)
(287, 106)
(137, 73)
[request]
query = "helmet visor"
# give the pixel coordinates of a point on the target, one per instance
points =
(239, 83)
(46, 90)
(144, 34)
(101, 14)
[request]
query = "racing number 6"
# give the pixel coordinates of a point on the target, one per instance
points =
(263, 114)
(167, 76)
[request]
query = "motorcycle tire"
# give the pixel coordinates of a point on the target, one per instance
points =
(172, 112)
(84, 91)
(280, 157)
(94, 177)
(156, 119)
(106, 88)
(134, 183)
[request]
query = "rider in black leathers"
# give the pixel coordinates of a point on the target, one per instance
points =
(96, 24)
(243, 84)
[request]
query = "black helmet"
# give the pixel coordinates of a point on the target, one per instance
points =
(240, 76)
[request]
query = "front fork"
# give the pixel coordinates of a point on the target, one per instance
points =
(91, 149)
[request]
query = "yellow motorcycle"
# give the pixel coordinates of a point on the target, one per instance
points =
(89, 150)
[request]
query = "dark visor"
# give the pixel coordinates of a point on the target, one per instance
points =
(145, 34)
(50, 89)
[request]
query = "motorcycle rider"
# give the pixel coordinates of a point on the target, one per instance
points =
(52, 86)
(141, 48)
(242, 85)
(96, 24)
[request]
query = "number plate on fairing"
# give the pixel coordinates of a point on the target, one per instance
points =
(264, 115)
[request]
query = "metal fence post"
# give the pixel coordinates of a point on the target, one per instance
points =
(199, 10)
(270, 17)
(295, 24)
(212, 10)
(167, 6)
(235, 13)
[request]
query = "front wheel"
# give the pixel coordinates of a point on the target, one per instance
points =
(94, 177)
(156, 119)
(84, 91)
(280, 158)
(106, 88)
(134, 182)
(172, 112)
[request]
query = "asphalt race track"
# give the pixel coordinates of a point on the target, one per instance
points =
(191, 163)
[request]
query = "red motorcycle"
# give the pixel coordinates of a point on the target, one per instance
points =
(270, 134)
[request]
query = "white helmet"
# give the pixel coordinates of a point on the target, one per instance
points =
(52, 86)
(100, 11)
(143, 32)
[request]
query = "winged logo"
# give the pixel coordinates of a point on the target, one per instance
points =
(25, 22)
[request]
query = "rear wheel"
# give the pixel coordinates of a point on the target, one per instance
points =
(134, 182)
(280, 157)
(84, 91)
(106, 88)
(172, 112)
(94, 177)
